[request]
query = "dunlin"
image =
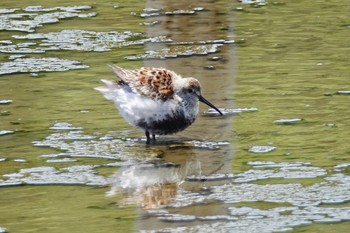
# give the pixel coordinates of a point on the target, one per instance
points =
(155, 100)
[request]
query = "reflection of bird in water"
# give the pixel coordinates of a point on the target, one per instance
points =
(157, 195)
(149, 185)
(155, 100)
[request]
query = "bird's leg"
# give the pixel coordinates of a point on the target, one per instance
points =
(148, 137)
(154, 137)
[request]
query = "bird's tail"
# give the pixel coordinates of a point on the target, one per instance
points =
(123, 74)
(108, 91)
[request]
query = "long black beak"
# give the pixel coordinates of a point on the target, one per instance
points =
(203, 100)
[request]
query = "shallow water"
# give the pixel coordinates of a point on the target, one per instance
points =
(278, 161)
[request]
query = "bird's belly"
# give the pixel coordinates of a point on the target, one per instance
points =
(169, 124)
(156, 117)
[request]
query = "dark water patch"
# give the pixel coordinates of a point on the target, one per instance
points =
(5, 113)
(30, 65)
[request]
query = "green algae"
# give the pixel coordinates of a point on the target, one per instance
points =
(293, 57)
(20, 211)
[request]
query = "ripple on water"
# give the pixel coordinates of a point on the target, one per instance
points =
(33, 65)
(81, 40)
(183, 49)
(228, 111)
(155, 12)
(177, 218)
(5, 132)
(5, 101)
(177, 50)
(343, 92)
(288, 121)
(136, 177)
(19, 160)
(64, 126)
(207, 144)
(261, 149)
(303, 204)
(212, 177)
(81, 175)
(254, 2)
(64, 160)
(32, 17)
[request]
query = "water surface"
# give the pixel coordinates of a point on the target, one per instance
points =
(278, 160)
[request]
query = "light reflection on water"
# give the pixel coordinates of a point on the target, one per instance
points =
(167, 180)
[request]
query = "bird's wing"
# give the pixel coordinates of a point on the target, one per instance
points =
(156, 83)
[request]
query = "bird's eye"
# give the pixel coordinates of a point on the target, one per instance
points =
(190, 91)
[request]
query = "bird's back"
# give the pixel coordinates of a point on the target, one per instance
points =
(155, 83)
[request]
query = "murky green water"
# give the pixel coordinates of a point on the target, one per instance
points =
(279, 160)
